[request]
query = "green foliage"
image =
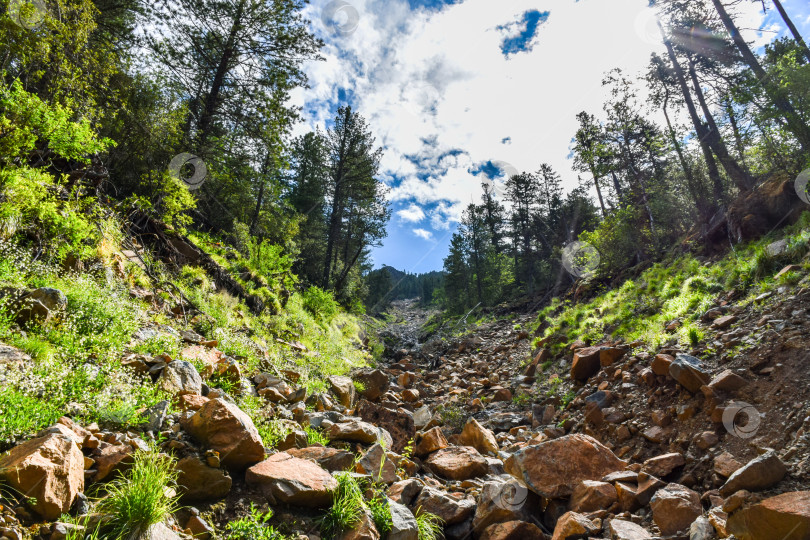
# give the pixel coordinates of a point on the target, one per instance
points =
(320, 304)
(273, 432)
(253, 526)
(380, 513)
(138, 500)
(430, 525)
(23, 414)
(452, 416)
(316, 436)
(347, 507)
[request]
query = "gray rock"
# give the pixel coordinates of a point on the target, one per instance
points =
(688, 371)
(404, 524)
(181, 376)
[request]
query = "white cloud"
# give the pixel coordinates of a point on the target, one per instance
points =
(424, 234)
(441, 97)
(411, 214)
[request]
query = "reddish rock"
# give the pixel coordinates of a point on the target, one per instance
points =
(760, 473)
(725, 465)
(343, 388)
(199, 482)
(504, 501)
(363, 530)
(374, 383)
(458, 463)
(223, 427)
(784, 517)
(410, 395)
(430, 441)
(585, 364)
(552, 468)
(592, 495)
(627, 530)
(628, 496)
(399, 426)
(706, 440)
(660, 364)
(610, 355)
(452, 508)
(724, 322)
(664, 464)
(331, 459)
(674, 508)
(378, 464)
(358, 431)
(572, 526)
(479, 437)
(289, 480)
(513, 530)
(727, 381)
(502, 394)
(112, 459)
(49, 470)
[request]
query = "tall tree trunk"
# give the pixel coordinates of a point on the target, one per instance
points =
(793, 30)
(735, 128)
(738, 175)
(205, 125)
(599, 192)
(700, 127)
(691, 185)
(800, 130)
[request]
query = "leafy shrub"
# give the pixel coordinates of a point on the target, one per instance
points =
(316, 436)
(253, 527)
(430, 525)
(381, 513)
(320, 304)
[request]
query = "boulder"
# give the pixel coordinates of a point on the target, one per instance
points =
(572, 526)
(688, 372)
(398, 424)
(331, 459)
(760, 473)
(452, 508)
(674, 508)
(378, 464)
(223, 427)
(290, 480)
(585, 364)
(783, 517)
(609, 355)
(504, 501)
(363, 530)
(353, 430)
(479, 437)
(374, 383)
(627, 530)
(664, 464)
(727, 381)
(49, 470)
(404, 526)
(591, 496)
(405, 491)
(660, 364)
(199, 482)
(343, 388)
(430, 441)
(111, 459)
(180, 376)
(458, 463)
(513, 530)
(552, 468)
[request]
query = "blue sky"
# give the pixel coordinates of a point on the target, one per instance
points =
(461, 91)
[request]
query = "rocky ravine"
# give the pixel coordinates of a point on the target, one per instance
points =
(637, 444)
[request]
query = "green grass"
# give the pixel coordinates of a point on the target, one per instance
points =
(681, 288)
(430, 525)
(316, 436)
(347, 507)
(138, 500)
(380, 513)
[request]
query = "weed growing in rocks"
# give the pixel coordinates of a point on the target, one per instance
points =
(316, 436)
(253, 526)
(430, 525)
(346, 509)
(139, 499)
